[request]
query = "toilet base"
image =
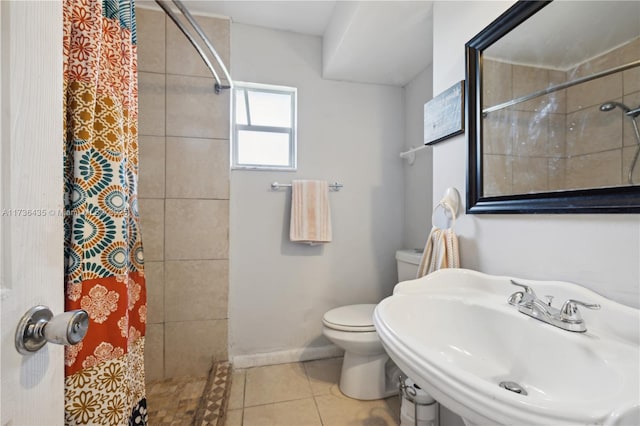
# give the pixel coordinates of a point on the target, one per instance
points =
(364, 377)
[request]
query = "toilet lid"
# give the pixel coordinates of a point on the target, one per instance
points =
(350, 318)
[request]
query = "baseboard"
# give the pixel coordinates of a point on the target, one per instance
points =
(283, 357)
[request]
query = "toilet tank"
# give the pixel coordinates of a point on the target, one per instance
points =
(408, 261)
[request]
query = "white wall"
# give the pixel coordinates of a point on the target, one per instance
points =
(600, 252)
(418, 178)
(351, 133)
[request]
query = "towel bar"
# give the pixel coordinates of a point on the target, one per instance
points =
(335, 186)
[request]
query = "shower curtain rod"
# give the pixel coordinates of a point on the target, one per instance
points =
(167, 9)
(561, 86)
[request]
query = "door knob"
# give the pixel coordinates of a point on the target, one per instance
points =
(38, 326)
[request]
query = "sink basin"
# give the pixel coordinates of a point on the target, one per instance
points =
(454, 334)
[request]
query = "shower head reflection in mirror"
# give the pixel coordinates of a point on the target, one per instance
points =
(632, 114)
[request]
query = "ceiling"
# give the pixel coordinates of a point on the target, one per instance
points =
(381, 42)
(306, 17)
(592, 27)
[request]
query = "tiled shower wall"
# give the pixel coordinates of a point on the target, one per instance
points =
(183, 197)
(594, 147)
(521, 143)
(571, 144)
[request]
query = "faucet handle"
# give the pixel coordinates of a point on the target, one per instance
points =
(570, 313)
(528, 290)
(515, 298)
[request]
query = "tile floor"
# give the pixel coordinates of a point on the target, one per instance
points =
(302, 394)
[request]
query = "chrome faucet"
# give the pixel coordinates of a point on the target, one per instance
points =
(568, 317)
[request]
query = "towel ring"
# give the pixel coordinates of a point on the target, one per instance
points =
(450, 202)
(445, 205)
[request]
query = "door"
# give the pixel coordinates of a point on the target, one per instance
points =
(31, 229)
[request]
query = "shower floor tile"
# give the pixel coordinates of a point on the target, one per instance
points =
(188, 401)
(174, 401)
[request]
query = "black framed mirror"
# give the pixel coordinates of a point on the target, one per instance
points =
(553, 109)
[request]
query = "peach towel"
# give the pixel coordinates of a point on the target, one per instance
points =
(310, 217)
(441, 250)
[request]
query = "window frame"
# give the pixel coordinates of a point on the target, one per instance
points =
(290, 131)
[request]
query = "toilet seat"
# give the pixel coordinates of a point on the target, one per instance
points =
(353, 318)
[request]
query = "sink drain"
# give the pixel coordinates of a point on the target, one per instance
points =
(513, 387)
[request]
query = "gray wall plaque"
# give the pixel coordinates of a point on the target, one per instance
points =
(443, 115)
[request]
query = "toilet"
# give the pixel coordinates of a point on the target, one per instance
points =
(367, 372)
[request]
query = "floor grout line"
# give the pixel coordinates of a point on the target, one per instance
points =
(313, 396)
(331, 401)
(278, 402)
(315, 402)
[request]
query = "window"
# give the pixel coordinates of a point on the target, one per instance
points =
(263, 127)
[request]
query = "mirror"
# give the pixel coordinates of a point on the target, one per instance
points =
(553, 98)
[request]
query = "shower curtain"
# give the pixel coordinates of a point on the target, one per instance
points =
(104, 374)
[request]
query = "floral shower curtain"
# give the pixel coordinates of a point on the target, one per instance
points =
(104, 273)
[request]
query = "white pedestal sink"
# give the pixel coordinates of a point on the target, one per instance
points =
(454, 334)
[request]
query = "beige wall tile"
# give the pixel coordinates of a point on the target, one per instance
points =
(154, 275)
(154, 352)
(604, 62)
(236, 394)
(152, 164)
(151, 104)
(323, 374)
(196, 289)
(498, 132)
(497, 82)
(631, 80)
(551, 103)
(497, 174)
(528, 80)
(190, 108)
(299, 412)
(558, 98)
(197, 168)
(594, 92)
(196, 229)
(627, 159)
(151, 40)
(630, 50)
(531, 134)
(633, 102)
(595, 170)
(631, 77)
(592, 130)
(557, 141)
(192, 346)
(557, 169)
(275, 383)
(195, 110)
(530, 174)
(183, 59)
(152, 228)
